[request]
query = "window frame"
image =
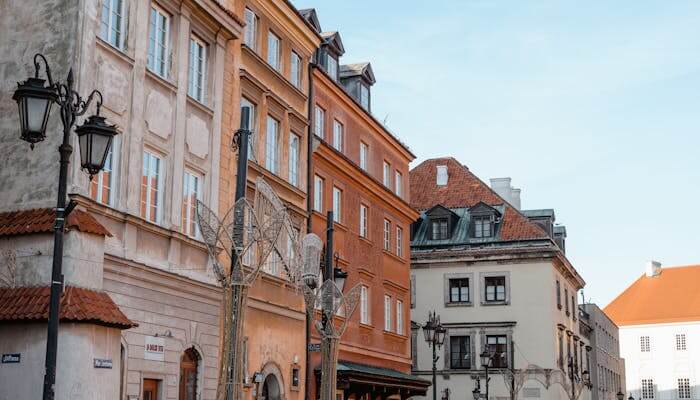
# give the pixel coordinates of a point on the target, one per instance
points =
(120, 43)
(364, 152)
(681, 342)
(319, 121)
(442, 234)
(399, 241)
(159, 178)
(398, 183)
(111, 167)
(272, 155)
(364, 220)
(483, 226)
(683, 388)
(293, 158)
(465, 357)
(387, 235)
(647, 389)
(364, 100)
(645, 344)
(505, 358)
(191, 219)
(483, 287)
(250, 40)
(338, 135)
(386, 174)
(387, 313)
(457, 282)
(245, 102)
(332, 72)
(295, 63)
(399, 317)
(152, 60)
(319, 185)
(337, 204)
(365, 318)
(275, 63)
(192, 84)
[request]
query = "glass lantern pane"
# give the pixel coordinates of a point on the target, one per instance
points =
(84, 148)
(36, 111)
(99, 149)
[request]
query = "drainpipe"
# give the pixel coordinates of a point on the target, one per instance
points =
(309, 204)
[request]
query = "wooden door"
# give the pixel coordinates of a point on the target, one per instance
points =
(188, 375)
(150, 389)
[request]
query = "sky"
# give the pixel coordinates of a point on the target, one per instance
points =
(593, 109)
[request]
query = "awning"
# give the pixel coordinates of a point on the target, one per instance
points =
(358, 378)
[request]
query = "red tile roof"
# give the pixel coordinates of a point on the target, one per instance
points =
(41, 220)
(77, 305)
(465, 189)
(672, 296)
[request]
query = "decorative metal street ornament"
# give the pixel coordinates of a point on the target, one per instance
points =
(95, 138)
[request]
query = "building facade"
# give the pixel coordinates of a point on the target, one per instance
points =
(607, 367)
(160, 66)
(659, 333)
(500, 283)
(360, 172)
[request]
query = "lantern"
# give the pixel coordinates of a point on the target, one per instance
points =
(95, 138)
(34, 101)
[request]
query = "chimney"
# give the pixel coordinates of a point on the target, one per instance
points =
(515, 195)
(441, 178)
(504, 189)
(653, 269)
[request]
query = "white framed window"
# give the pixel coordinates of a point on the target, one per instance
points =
(332, 64)
(295, 69)
(151, 182)
(645, 344)
(271, 145)
(245, 103)
(251, 28)
(318, 193)
(294, 144)
(198, 69)
(337, 135)
(399, 241)
(319, 121)
(103, 185)
(364, 96)
(681, 342)
(364, 305)
(647, 388)
(399, 317)
(113, 23)
(364, 152)
(387, 313)
(398, 181)
(273, 50)
(191, 192)
(386, 177)
(363, 221)
(158, 42)
(387, 235)
(337, 204)
(272, 264)
(684, 388)
(441, 175)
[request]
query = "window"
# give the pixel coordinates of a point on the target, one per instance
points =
(397, 183)
(399, 241)
(102, 186)
(482, 227)
(442, 175)
(159, 36)
(191, 192)
(364, 150)
(387, 174)
(363, 221)
(387, 235)
(295, 69)
(245, 103)
(645, 344)
(113, 24)
(460, 352)
(566, 303)
(364, 305)
(560, 360)
(318, 193)
(680, 342)
(189, 365)
(459, 290)
(251, 29)
(498, 346)
(151, 181)
(495, 288)
(683, 388)
(337, 136)
(364, 96)
(440, 229)
(647, 388)
(387, 313)
(332, 64)
(273, 50)
(573, 307)
(198, 69)
(399, 317)
(272, 263)
(294, 159)
(271, 153)
(337, 204)
(319, 122)
(558, 295)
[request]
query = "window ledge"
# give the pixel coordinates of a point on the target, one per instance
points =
(121, 53)
(160, 80)
(196, 103)
(366, 326)
(365, 239)
(495, 303)
(459, 304)
(395, 335)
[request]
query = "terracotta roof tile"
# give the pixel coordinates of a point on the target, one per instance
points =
(41, 220)
(672, 296)
(77, 305)
(464, 189)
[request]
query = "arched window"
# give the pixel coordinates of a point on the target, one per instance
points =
(189, 365)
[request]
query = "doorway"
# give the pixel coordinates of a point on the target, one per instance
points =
(271, 388)
(150, 389)
(188, 374)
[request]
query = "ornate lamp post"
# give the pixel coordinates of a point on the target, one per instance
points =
(434, 334)
(620, 395)
(582, 381)
(486, 358)
(95, 136)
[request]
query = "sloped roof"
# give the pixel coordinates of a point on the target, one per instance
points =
(77, 305)
(672, 296)
(464, 190)
(41, 220)
(333, 39)
(309, 14)
(358, 69)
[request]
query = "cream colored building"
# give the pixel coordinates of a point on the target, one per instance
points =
(499, 280)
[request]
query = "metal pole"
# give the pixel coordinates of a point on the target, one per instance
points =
(434, 370)
(328, 368)
(487, 380)
(571, 373)
(65, 150)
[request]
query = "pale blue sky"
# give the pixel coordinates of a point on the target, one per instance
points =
(593, 108)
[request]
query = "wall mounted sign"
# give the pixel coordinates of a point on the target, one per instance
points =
(314, 347)
(154, 348)
(12, 358)
(102, 363)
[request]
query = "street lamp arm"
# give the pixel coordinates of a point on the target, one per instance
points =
(37, 67)
(82, 106)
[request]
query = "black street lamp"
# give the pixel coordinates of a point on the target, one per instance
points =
(631, 397)
(95, 138)
(620, 395)
(434, 334)
(486, 358)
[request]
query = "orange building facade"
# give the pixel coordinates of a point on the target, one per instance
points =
(359, 170)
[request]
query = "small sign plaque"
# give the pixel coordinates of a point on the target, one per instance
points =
(103, 363)
(11, 358)
(314, 347)
(154, 348)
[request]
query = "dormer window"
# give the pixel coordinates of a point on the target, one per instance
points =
(364, 96)
(442, 175)
(440, 229)
(483, 227)
(332, 66)
(483, 220)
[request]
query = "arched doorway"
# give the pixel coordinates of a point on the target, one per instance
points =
(189, 364)
(271, 388)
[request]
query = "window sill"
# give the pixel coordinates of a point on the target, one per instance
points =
(495, 303)
(365, 239)
(392, 255)
(395, 335)
(160, 80)
(366, 326)
(196, 103)
(121, 53)
(459, 304)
